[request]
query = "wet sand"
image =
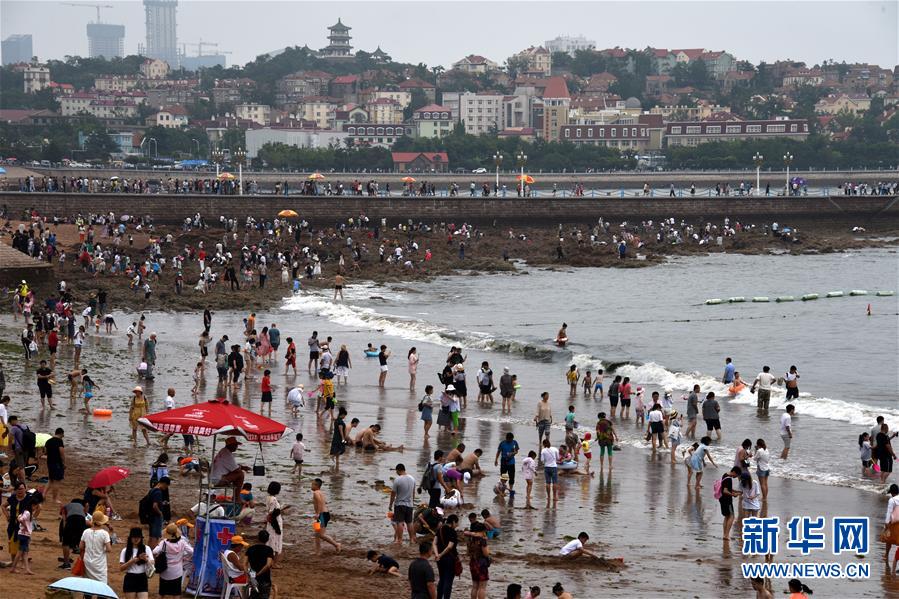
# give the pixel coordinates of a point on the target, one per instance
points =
(668, 536)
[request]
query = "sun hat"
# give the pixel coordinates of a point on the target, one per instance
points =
(238, 540)
(138, 388)
(99, 518)
(172, 532)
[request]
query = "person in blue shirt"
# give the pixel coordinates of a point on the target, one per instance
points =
(505, 458)
(729, 369)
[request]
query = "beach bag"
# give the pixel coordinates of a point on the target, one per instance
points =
(78, 567)
(258, 469)
(716, 488)
(32, 347)
(29, 442)
(162, 560)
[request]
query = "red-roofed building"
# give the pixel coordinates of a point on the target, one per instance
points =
(420, 162)
(170, 117)
(734, 79)
(687, 55)
(718, 63)
(345, 87)
(556, 101)
(658, 84)
(61, 89)
(600, 83)
(475, 65)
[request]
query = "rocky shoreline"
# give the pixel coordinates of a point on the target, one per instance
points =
(495, 249)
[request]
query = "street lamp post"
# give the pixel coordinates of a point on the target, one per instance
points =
(788, 158)
(218, 157)
(759, 160)
(196, 141)
(240, 155)
(498, 160)
(153, 141)
(522, 159)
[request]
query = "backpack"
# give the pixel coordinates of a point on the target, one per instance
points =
(427, 479)
(29, 441)
(716, 488)
(145, 512)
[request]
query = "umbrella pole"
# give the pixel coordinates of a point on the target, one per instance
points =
(206, 525)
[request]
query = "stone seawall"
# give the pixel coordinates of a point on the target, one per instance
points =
(851, 210)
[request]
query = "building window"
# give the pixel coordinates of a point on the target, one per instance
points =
(732, 129)
(425, 115)
(590, 132)
(602, 132)
(567, 132)
(389, 130)
(578, 132)
(675, 130)
(444, 115)
(694, 130)
(793, 128)
(775, 128)
(370, 131)
(642, 131)
(614, 132)
(713, 129)
(753, 128)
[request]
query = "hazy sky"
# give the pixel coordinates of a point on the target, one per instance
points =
(443, 32)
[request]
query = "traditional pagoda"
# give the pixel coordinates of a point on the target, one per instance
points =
(339, 46)
(380, 56)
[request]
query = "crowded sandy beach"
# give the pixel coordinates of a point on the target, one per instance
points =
(409, 446)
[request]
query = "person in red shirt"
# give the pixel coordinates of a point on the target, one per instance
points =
(625, 391)
(291, 357)
(266, 389)
(52, 344)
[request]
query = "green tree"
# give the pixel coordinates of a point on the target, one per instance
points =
(98, 146)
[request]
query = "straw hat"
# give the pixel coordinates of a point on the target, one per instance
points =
(172, 532)
(137, 389)
(99, 518)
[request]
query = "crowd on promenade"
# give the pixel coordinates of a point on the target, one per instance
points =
(229, 185)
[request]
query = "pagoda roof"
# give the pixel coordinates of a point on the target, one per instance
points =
(339, 26)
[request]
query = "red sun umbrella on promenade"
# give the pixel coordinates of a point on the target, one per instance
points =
(108, 477)
(217, 417)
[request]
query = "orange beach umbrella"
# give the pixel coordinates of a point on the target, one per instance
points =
(408, 180)
(526, 178)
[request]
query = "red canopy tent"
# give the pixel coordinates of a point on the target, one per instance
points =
(216, 417)
(210, 419)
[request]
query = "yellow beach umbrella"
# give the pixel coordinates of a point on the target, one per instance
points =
(288, 214)
(226, 177)
(316, 177)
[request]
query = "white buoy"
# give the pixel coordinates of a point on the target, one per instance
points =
(858, 292)
(885, 293)
(761, 299)
(809, 296)
(785, 298)
(736, 300)
(834, 294)
(713, 302)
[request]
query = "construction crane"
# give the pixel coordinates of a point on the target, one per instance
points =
(97, 6)
(199, 46)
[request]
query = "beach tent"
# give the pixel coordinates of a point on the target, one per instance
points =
(210, 419)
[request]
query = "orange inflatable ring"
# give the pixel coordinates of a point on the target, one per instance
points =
(102, 412)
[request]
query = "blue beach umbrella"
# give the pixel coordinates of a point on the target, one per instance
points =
(87, 586)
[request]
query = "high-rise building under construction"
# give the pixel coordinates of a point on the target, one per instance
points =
(162, 39)
(105, 40)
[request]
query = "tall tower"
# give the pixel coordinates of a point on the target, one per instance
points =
(105, 40)
(162, 39)
(339, 38)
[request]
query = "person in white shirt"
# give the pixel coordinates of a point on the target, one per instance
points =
(135, 560)
(786, 430)
(225, 468)
(576, 548)
(763, 471)
(751, 492)
(891, 524)
(550, 457)
(763, 383)
(528, 471)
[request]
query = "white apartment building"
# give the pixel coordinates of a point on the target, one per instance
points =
(37, 77)
(570, 44)
(481, 113)
(261, 114)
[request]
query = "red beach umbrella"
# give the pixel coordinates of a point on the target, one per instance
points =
(108, 477)
(216, 417)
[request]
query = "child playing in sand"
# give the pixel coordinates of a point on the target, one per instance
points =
(384, 564)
